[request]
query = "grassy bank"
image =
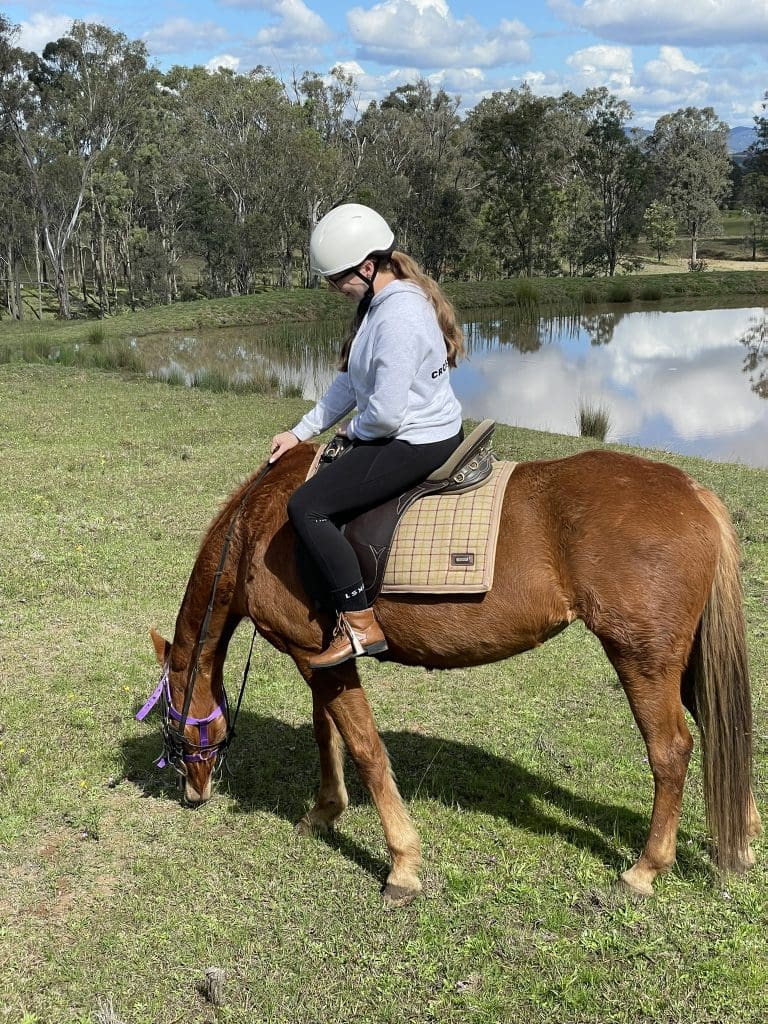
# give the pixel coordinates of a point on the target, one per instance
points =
(527, 779)
(107, 342)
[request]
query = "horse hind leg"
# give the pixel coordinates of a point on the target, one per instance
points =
(332, 799)
(658, 711)
(754, 830)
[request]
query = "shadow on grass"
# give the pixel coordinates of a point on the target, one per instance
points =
(273, 767)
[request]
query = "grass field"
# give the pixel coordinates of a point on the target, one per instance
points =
(527, 779)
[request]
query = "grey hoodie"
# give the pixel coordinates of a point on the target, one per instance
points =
(397, 377)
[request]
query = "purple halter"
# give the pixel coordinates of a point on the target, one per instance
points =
(174, 742)
(174, 752)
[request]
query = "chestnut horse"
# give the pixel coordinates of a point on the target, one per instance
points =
(641, 553)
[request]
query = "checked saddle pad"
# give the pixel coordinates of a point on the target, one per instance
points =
(424, 542)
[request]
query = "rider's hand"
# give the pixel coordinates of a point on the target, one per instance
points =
(281, 443)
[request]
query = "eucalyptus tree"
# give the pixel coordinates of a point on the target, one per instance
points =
(689, 155)
(324, 152)
(157, 166)
(16, 226)
(660, 227)
(417, 170)
(522, 159)
(71, 106)
(235, 130)
(613, 166)
(755, 184)
(14, 219)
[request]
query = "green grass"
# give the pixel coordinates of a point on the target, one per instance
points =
(526, 779)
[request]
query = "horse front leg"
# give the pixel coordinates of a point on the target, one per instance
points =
(332, 799)
(337, 694)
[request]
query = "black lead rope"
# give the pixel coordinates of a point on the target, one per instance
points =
(209, 612)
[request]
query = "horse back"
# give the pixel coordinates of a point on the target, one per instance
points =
(632, 544)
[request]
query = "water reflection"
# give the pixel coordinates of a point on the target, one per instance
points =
(755, 341)
(671, 379)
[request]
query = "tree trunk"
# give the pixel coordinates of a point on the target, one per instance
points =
(16, 276)
(62, 286)
(104, 308)
(40, 273)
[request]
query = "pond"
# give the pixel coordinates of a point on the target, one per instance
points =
(693, 381)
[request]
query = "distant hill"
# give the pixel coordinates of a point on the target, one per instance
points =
(739, 140)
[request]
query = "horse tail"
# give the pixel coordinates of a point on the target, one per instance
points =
(720, 678)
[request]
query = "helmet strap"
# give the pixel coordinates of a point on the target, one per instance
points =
(369, 280)
(362, 306)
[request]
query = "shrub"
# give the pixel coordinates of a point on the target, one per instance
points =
(96, 335)
(620, 292)
(652, 291)
(593, 420)
(527, 299)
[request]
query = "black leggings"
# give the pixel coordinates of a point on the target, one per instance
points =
(368, 475)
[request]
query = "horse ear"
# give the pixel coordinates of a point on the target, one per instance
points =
(161, 645)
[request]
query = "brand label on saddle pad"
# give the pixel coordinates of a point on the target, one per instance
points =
(446, 544)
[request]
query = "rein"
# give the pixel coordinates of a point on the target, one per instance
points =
(175, 752)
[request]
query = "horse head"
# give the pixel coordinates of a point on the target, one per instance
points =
(196, 729)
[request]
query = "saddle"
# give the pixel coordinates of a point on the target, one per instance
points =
(372, 533)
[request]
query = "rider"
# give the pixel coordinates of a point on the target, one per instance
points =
(394, 370)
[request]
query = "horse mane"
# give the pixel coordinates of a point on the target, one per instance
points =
(260, 496)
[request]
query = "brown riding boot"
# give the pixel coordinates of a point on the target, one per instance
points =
(355, 633)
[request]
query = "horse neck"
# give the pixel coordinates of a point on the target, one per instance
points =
(199, 594)
(257, 522)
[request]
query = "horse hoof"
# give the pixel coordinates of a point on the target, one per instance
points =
(308, 827)
(637, 885)
(396, 896)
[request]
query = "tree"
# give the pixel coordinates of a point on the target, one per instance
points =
(240, 165)
(416, 170)
(521, 160)
(614, 167)
(689, 154)
(66, 111)
(15, 222)
(660, 227)
(755, 184)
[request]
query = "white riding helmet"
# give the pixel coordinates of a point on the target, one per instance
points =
(346, 236)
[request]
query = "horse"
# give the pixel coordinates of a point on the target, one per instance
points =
(641, 553)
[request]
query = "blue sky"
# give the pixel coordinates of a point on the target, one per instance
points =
(659, 55)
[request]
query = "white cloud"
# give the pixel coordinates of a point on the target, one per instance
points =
(224, 60)
(375, 87)
(425, 34)
(603, 65)
(294, 24)
(693, 23)
(42, 29)
(671, 68)
(180, 34)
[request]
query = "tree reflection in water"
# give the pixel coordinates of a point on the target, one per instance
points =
(755, 340)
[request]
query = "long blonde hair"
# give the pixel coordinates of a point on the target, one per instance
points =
(405, 268)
